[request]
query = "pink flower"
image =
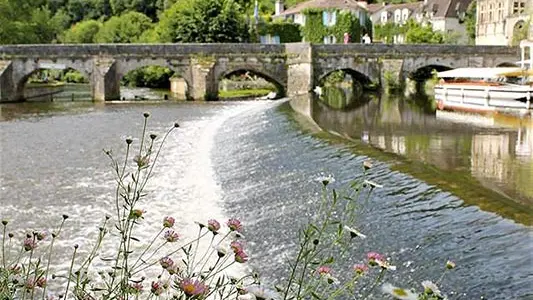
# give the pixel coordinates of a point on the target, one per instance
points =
(360, 268)
(234, 225)
(213, 225)
(157, 288)
(168, 222)
(193, 288)
(41, 282)
(166, 262)
(29, 244)
(236, 246)
(136, 288)
(136, 214)
(241, 257)
(373, 257)
(30, 284)
(323, 270)
(171, 236)
(15, 269)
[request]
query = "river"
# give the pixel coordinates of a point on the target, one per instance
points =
(452, 190)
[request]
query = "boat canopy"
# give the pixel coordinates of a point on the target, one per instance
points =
(518, 73)
(479, 72)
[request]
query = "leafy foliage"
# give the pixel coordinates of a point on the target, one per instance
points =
(470, 22)
(203, 21)
(414, 33)
(127, 28)
(314, 30)
(288, 32)
(82, 32)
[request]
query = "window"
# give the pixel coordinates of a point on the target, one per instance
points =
(490, 13)
(482, 14)
(397, 16)
(519, 6)
(329, 18)
(330, 39)
(269, 39)
(500, 11)
(384, 17)
(405, 14)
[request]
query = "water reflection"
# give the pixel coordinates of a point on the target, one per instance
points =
(486, 161)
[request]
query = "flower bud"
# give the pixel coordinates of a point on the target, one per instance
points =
(129, 140)
(176, 125)
(65, 217)
(153, 136)
(4, 222)
(146, 114)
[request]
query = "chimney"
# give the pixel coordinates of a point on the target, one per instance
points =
(279, 7)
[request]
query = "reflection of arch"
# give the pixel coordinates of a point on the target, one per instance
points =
(356, 75)
(263, 74)
(506, 65)
(21, 83)
(426, 72)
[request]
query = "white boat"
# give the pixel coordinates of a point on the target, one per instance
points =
(508, 90)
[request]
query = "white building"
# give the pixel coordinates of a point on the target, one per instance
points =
(499, 20)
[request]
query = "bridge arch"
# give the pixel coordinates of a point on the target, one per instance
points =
(127, 65)
(260, 72)
(28, 69)
(426, 72)
(355, 74)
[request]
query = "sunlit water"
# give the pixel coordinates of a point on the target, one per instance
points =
(250, 160)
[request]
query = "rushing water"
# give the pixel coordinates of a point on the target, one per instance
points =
(451, 190)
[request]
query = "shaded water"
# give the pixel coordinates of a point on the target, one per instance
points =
(252, 161)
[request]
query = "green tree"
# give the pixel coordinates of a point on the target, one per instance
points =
(82, 32)
(422, 34)
(127, 28)
(203, 21)
(148, 7)
(470, 22)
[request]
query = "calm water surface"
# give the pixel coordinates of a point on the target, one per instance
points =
(451, 191)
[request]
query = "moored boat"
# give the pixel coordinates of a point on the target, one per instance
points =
(507, 90)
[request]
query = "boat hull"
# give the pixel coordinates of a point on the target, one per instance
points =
(512, 99)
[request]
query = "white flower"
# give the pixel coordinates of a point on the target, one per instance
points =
(262, 293)
(354, 232)
(431, 288)
(372, 184)
(221, 250)
(398, 293)
(385, 265)
(325, 180)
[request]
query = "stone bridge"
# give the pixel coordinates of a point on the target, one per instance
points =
(293, 68)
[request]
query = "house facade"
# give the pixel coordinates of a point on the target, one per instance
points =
(330, 10)
(503, 22)
(445, 16)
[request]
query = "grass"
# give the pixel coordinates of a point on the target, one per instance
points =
(249, 93)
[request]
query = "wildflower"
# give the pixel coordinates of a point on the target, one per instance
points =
(168, 222)
(213, 225)
(129, 140)
(153, 136)
(385, 265)
(398, 293)
(30, 284)
(193, 288)
(41, 282)
(367, 164)
(360, 269)
(234, 225)
(241, 257)
(146, 114)
(261, 292)
(173, 270)
(323, 270)
(373, 257)
(354, 232)
(141, 161)
(41, 235)
(4, 222)
(176, 125)
(236, 246)
(372, 184)
(450, 265)
(166, 262)
(325, 180)
(430, 288)
(171, 236)
(157, 288)
(137, 214)
(29, 244)
(136, 288)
